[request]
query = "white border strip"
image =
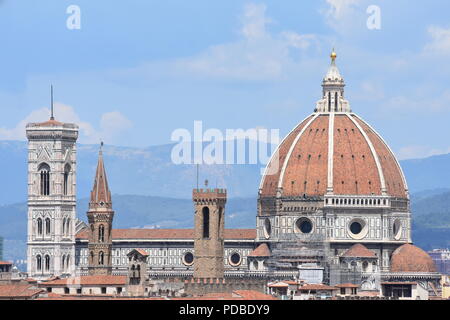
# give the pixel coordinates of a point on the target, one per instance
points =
(261, 184)
(330, 153)
(291, 149)
(393, 155)
(374, 154)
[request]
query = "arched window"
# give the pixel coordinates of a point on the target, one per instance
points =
(66, 179)
(101, 233)
(329, 101)
(63, 263)
(39, 226)
(205, 213)
(220, 221)
(101, 258)
(92, 257)
(38, 262)
(64, 227)
(68, 226)
(44, 172)
(47, 262)
(67, 262)
(47, 226)
(335, 101)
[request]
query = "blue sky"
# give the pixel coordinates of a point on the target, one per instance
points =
(138, 70)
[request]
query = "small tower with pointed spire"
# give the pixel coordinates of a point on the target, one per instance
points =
(100, 217)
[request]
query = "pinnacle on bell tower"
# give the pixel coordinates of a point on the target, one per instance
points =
(333, 90)
(100, 216)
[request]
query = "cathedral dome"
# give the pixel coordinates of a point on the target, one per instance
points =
(333, 151)
(409, 258)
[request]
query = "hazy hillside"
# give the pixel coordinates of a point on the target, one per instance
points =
(161, 191)
(150, 171)
(428, 173)
(147, 171)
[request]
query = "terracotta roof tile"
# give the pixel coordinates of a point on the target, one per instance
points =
(261, 251)
(19, 291)
(308, 287)
(87, 280)
(304, 160)
(253, 295)
(347, 285)
(119, 234)
(409, 258)
(359, 250)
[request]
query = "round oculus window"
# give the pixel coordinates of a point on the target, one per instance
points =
(188, 258)
(397, 229)
(267, 228)
(357, 228)
(235, 259)
(303, 225)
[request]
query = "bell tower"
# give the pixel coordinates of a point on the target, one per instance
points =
(51, 198)
(209, 232)
(100, 217)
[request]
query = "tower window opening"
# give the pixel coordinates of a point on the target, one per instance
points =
(101, 233)
(47, 263)
(39, 226)
(329, 101)
(66, 180)
(335, 101)
(44, 172)
(47, 226)
(205, 213)
(101, 258)
(39, 262)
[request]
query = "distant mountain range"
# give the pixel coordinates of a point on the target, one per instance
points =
(150, 191)
(150, 171)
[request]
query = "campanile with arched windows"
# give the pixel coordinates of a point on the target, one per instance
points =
(51, 198)
(100, 216)
(209, 232)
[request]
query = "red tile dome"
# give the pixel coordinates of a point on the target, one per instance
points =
(333, 151)
(409, 258)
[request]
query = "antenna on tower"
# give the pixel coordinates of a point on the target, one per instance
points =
(51, 102)
(197, 175)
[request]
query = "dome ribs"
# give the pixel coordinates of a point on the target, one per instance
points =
(270, 181)
(395, 182)
(360, 168)
(311, 167)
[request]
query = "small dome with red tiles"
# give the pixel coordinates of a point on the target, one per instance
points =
(409, 258)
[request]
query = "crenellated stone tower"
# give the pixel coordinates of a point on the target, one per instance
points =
(209, 232)
(51, 198)
(100, 217)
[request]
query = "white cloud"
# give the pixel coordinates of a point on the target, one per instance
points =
(440, 43)
(111, 124)
(341, 8)
(254, 21)
(345, 16)
(257, 55)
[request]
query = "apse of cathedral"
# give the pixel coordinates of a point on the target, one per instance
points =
(333, 208)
